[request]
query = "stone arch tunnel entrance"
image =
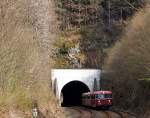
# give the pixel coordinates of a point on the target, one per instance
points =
(71, 93)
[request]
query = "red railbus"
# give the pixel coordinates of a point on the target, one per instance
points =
(97, 99)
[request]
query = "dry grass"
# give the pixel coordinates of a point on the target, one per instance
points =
(129, 66)
(25, 39)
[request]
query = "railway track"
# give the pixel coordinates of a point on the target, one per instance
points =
(125, 112)
(84, 113)
(113, 114)
(91, 113)
(107, 114)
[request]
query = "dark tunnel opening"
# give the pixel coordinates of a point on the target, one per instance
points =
(72, 92)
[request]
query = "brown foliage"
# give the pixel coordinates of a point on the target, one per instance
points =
(25, 41)
(129, 66)
(130, 57)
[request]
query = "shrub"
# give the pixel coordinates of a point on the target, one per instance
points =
(130, 57)
(129, 66)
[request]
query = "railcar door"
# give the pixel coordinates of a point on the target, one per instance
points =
(89, 100)
(93, 100)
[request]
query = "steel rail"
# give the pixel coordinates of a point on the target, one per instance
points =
(82, 110)
(108, 114)
(119, 111)
(89, 110)
(79, 111)
(93, 113)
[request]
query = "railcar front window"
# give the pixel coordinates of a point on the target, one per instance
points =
(100, 96)
(108, 95)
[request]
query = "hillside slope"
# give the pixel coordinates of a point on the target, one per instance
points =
(93, 25)
(26, 31)
(129, 66)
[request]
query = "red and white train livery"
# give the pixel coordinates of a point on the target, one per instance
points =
(97, 99)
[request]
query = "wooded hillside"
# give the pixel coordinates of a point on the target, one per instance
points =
(98, 24)
(37, 35)
(128, 66)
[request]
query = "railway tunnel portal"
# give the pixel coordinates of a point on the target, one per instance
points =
(69, 84)
(72, 93)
